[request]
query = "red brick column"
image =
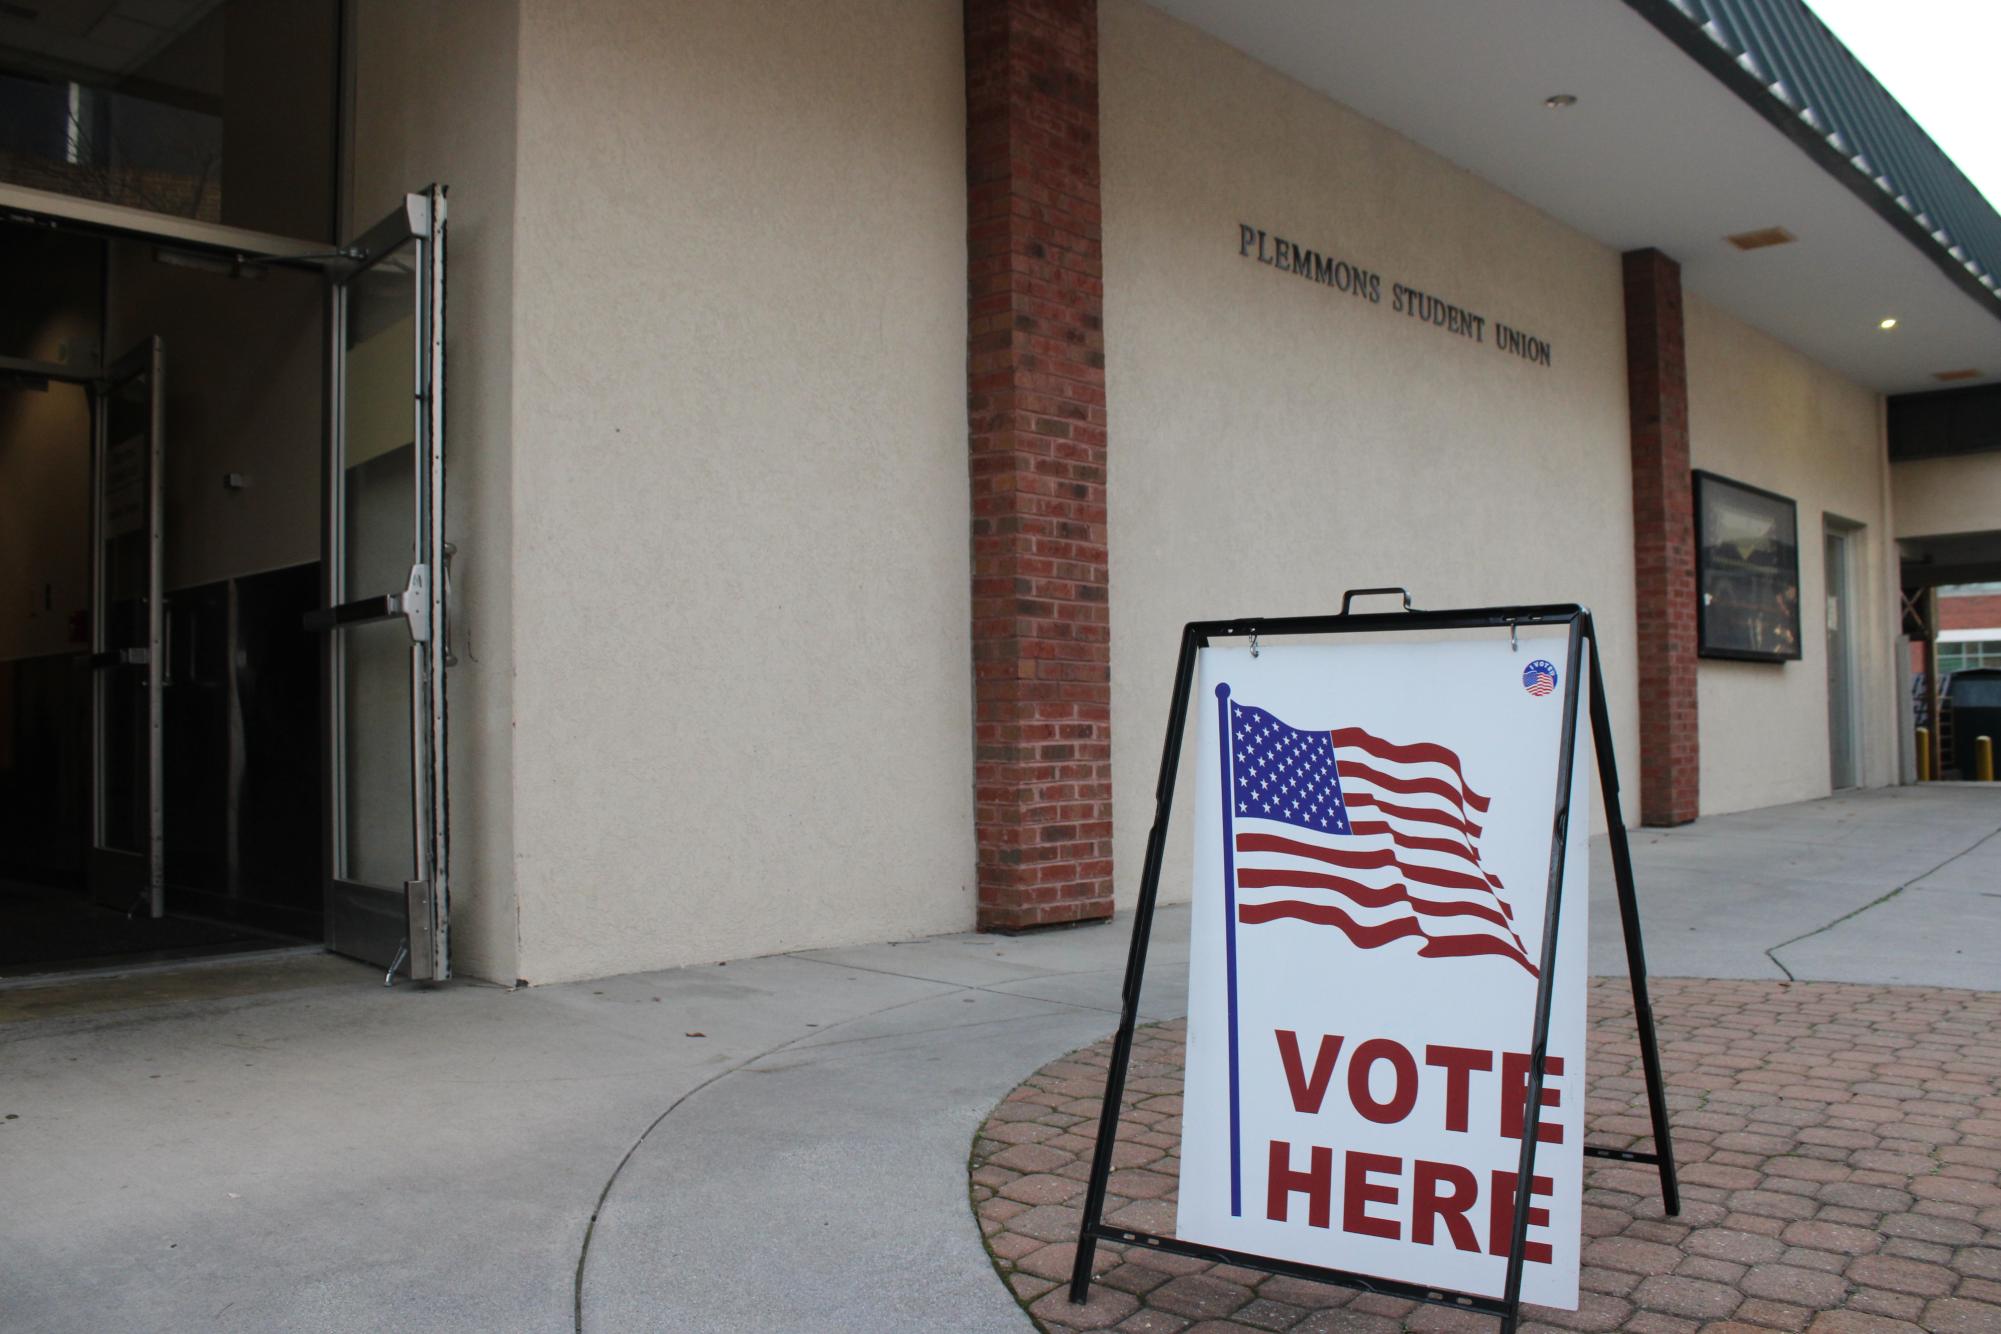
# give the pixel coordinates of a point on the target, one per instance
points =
(1036, 409)
(1663, 538)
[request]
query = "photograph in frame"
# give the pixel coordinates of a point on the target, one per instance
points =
(1747, 572)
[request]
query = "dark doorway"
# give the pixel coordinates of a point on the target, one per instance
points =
(234, 570)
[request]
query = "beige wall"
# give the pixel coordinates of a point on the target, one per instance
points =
(434, 100)
(1940, 497)
(1276, 441)
(742, 669)
(1760, 413)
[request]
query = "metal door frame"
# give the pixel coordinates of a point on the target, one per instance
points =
(424, 948)
(1847, 534)
(105, 863)
(424, 605)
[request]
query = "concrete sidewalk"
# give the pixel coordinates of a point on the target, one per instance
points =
(1892, 885)
(771, 1144)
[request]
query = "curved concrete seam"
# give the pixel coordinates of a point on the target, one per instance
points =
(583, 1252)
(1772, 953)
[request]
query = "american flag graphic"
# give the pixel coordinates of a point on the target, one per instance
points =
(1539, 678)
(1375, 838)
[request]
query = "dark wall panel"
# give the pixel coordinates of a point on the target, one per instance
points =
(1945, 422)
(243, 752)
(44, 771)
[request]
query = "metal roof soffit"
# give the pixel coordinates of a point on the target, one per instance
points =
(1784, 62)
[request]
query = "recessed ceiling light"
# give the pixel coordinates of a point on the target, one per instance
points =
(1762, 237)
(1889, 323)
(1558, 101)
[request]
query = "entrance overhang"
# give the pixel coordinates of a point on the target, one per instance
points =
(1654, 151)
(1950, 558)
(24, 204)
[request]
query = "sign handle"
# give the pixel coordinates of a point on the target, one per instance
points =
(1354, 593)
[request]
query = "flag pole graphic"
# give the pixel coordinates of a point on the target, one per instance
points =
(1230, 948)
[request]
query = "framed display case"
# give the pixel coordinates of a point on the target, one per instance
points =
(1747, 572)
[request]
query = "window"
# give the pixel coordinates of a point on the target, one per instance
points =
(1958, 655)
(223, 113)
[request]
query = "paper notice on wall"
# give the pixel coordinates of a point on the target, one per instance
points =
(1372, 849)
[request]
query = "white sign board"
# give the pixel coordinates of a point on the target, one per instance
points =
(1372, 844)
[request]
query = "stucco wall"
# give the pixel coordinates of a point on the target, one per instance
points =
(1760, 413)
(434, 100)
(1276, 440)
(742, 679)
(1939, 497)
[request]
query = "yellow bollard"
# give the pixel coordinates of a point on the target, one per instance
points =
(1983, 758)
(1924, 755)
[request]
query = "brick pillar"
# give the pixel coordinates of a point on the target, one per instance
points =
(1036, 410)
(1663, 538)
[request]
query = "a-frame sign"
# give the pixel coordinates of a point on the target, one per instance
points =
(1383, 1042)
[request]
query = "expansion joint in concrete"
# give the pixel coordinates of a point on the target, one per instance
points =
(1772, 952)
(748, 1062)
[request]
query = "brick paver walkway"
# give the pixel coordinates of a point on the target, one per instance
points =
(1840, 1154)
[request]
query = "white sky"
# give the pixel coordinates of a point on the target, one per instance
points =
(1937, 57)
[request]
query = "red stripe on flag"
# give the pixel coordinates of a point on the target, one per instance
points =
(1422, 752)
(1437, 787)
(1368, 896)
(1462, 947)
(1363, 860)
(1446, 818)
(1364, 828)
(1370, 937)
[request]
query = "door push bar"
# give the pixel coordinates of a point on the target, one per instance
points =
(413, 604)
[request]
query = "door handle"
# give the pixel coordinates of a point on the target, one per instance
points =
(412, 604)
(359, 612)
(121, 657)
(415, 603)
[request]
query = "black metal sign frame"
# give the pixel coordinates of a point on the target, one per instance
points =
(1196, 636)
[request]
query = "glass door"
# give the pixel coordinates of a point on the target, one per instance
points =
(127, 855)
(384, 614)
